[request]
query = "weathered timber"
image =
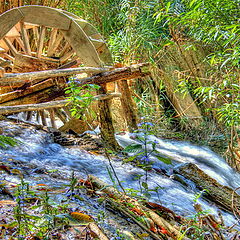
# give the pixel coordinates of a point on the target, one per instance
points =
(48, 105)
(103, 76)
(221, 195)
(172, 228)
(8, 20)
(82, 45)
(97, 231)
(2, 71)
(52, 118)
(43, 117)
(18, 93)
(105, 119)
(60, 115)
(125, 73)
(128, 105)
(18, 79)
(25, 38)
(24, 63)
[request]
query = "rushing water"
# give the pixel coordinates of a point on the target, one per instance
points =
(38, 149)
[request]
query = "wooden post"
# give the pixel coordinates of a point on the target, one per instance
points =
(60, 115)
(127, 105)
(44, 122)
(52, 118)
(2, 71)
(106, 123)
(29, 116)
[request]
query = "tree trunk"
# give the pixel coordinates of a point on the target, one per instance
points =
(106, 124)
(127, 105)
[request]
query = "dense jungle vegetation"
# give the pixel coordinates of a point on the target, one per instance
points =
(192, 94)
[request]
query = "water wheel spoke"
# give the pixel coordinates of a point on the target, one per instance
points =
(52, 39)
(7, 56)
(41, 41)
(55, 45)
(67, 56)
(25, 38)
(13, 50)
(65, 48)
(36, 36)
(20, 43)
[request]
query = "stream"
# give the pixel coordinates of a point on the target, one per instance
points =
(39, 150)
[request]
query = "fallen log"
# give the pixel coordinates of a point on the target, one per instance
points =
(18, 79)
(103, 76)
(125, 73)
(5, 110)
(215, 192)
(173, 231)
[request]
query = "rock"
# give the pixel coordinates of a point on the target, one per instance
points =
(75, 125)
(215, 192)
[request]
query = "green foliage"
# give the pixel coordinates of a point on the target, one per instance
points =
(80, 98)
(142, 154)
(5, 141)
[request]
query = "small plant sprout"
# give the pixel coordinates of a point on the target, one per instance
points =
(143, 151)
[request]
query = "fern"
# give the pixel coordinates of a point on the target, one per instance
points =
(5, 141)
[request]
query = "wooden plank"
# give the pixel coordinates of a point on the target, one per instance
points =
(29, 115)
(25, 63)
(48, 105)
(82, 45)
(7, 56)
(41, 41)
(64, 49)
(55, 45)
(17, 94)
(21, 44)
(18, 79)
(97, 40)
(46, 16)
(14, 51)
(25, 39)
(13, 33)
(52, 118)
(67, 56)
(8, 20)
(43, 118)
(2, 71)
(60, 115)
(52, 39)
(36, 36)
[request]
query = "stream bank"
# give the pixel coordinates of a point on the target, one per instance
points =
(43, 161)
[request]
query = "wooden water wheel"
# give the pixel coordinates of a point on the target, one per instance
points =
(35, 39)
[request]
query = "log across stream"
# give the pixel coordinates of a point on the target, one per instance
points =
(40, 150)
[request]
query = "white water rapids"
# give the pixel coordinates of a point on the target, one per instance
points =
(38, 148)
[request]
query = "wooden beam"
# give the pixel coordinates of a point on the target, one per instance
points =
(42, 15)
(18, 79)
(52, 118)
(41, 41)
(18, 93)
(8, 20)
(52, 39)
(48, 105)
(125, 73)
(10, 46)
(103, 76)
(25, 38)
(82, 45)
